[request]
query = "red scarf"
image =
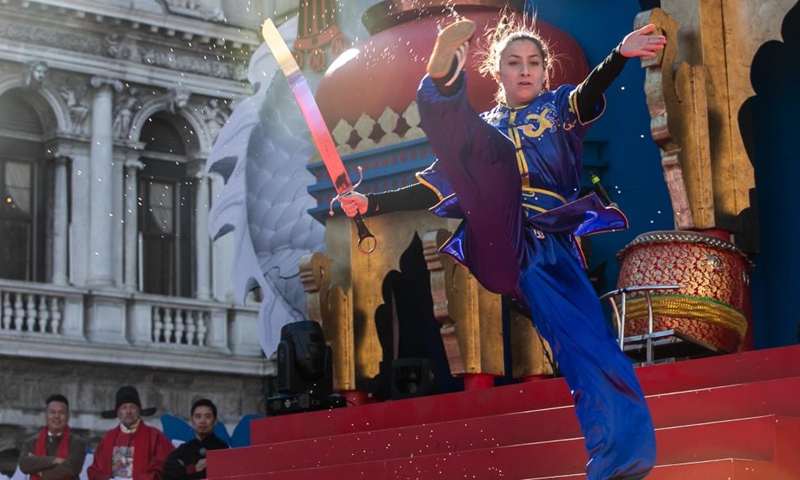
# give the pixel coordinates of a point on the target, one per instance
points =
(40, 448)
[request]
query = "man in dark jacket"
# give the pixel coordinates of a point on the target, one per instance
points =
(189, 460)
(54, 453)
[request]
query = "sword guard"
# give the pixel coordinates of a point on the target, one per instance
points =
(346, 192)
(366, 240)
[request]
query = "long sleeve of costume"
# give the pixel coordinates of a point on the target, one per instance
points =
(102, 455)
(413, 197)
(30, 463)
(160, 448)
(72, 466)
(589, 94)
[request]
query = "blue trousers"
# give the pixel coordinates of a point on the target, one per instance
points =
(507, 258)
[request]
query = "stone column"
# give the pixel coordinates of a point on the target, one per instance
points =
(59, 274)
(101, 265)
(222, 254)
(202, 240)
(118, 219)
(131, 230)
(79, 229)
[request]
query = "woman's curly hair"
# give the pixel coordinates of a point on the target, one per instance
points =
(511, 27)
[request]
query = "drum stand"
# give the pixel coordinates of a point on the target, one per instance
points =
(667, 345)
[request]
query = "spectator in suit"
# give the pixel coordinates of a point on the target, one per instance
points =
(54, 453)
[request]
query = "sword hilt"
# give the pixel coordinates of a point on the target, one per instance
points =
(366, 240)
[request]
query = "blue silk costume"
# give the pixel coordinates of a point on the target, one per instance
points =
(513, 176)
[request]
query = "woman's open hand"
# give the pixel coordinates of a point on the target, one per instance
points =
(639, 43)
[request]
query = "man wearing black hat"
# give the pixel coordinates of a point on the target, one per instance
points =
(132, 449)
(54, 453)
(188, 462)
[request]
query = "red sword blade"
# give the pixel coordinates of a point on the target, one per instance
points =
(316, 124)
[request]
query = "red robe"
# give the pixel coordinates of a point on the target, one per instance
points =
(150, 449)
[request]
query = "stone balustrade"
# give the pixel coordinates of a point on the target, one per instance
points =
(30, 312)
(179, 326)
(56, 322)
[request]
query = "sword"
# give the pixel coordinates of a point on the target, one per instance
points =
(319, 131)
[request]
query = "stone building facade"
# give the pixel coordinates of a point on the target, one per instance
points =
(108, 110)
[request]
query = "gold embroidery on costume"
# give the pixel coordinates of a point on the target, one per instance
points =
(538, 123)
(522, 163)
(531, 197)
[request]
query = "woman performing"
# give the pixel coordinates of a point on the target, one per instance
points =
(513, 175)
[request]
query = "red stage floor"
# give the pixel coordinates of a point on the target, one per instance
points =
(728, 417)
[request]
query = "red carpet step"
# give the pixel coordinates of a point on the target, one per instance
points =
(733, 417)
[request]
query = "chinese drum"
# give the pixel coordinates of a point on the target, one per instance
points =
(713, 276)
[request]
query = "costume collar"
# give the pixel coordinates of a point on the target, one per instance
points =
(132, 429)
(521, 107)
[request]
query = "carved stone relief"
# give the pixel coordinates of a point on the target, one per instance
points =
(73, 90)
(114, 46)
(35, 74)
(36, 77)
(78, 109)
(127, 103)
(158, 57)
(178, 100)
(117, 46)
(214, 115)
(205, 9)
(27, 33)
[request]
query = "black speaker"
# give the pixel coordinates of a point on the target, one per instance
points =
(412, 377)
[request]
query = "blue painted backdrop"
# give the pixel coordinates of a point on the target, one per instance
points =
(632, 172)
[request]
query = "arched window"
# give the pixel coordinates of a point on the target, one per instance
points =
(22, 202)
(167, 208)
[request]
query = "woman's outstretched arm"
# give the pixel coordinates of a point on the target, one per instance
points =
(589, 94)
(413, 197)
